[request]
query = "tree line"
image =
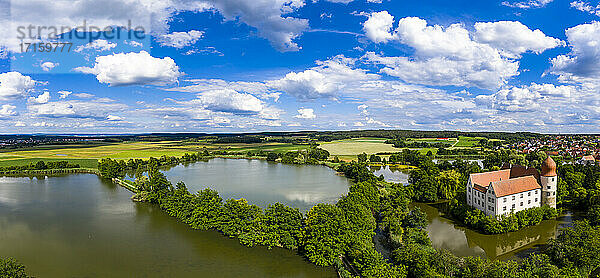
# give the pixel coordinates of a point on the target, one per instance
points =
(40, 165)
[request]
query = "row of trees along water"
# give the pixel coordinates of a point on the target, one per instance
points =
(112, 168)
(40, 165)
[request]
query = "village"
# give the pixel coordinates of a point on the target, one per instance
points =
(578, 149)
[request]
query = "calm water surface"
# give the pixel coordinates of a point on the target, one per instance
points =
(81, 226)
(391, 174)
(445, 234)
(263, 183)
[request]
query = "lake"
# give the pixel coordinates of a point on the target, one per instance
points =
(262, 182)
(81, 226)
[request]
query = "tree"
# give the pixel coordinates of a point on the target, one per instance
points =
(424, 186)
(10, 268)
(240, 219)
(448, 182)
(326, 232)
(272, 156)
(576, 247)
(375, 158)
(362, 158)
(282, 226)
(207, 209)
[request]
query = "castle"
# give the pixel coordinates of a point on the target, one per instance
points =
(512, 189)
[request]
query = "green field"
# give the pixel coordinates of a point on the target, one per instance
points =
(351, 147)
(84, 163)
(467, 142)
(87, 155)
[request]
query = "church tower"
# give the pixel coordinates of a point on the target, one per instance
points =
(549, 180)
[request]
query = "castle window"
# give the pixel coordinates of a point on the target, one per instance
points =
(529, 201)
(513, 198)
(521, 204)
(504, 208)
(528, 193)
(547, 193)
(521, 195)
(505, 199)
(513, 206)
(536, 199)
(549, 187)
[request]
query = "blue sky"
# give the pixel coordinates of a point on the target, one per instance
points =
(279, 65)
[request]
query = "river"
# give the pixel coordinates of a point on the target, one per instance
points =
(81, 226)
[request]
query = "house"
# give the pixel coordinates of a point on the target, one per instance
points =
(587, 160)
(512, 189)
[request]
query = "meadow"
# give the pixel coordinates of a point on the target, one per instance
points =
(88, 154)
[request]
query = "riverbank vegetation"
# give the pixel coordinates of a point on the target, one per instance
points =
(10, 268)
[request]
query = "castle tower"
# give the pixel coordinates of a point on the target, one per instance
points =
(549, 180)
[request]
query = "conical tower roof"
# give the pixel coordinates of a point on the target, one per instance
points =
(549, 167)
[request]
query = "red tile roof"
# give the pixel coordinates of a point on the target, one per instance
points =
(484, 179)
(514, 186)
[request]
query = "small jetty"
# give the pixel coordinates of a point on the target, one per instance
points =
(129, 185)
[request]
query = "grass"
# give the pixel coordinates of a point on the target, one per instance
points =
(84, 163)
(353, 147)
(87, 155)
(467, 142)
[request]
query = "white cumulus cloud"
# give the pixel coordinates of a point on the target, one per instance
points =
(378, 27)
(306, 113)
(133, 69)
(8, 110)
(513, 38)
(43, 98)
(97, 45)
(48, 66)
(180, 39)
(14, 85)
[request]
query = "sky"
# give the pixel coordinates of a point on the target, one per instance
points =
(139, 66)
